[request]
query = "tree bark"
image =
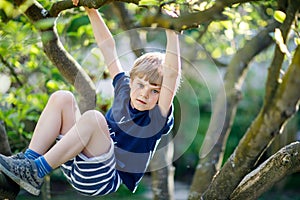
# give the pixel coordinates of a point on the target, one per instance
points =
(185, 21)
(55, 51)
(285, 162)
(163, 177)
(4, 144)
(276, 65)
(262, 124)
(259, 135)
(212, 151)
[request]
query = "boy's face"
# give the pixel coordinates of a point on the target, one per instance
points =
(143, 95)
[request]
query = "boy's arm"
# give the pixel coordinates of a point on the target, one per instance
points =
(105, 42)
(171, 72)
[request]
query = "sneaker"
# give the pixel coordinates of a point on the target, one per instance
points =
(23, 172)
(18, 156)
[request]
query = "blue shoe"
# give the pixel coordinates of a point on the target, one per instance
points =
(23, 171)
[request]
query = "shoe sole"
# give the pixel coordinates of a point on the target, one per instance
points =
(23, 184)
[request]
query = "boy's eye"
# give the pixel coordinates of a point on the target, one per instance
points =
(155, 91)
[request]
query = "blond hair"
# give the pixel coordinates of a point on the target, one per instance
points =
(150, 67)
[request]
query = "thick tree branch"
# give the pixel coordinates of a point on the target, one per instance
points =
(285, 162)
(73, 72)
(185, 21)
(163, 177)
(60, 6)
(211, 153)
(261, 132)
(275, 67)
(191, 20)
(55, 51)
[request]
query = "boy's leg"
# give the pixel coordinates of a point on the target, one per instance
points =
(59, 115)
(90, 135)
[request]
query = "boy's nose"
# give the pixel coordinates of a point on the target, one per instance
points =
(145, 92)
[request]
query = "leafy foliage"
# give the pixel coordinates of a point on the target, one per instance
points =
(32, 78)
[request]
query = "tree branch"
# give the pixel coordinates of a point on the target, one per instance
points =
(4, 145)
(183, 22)
(211, 153)
(286, 161)
(127, 23)
(55, 51)
(60, 6)
(259, 135)
(275, 67)
(191, 20)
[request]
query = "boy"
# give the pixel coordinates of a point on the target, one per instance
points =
(98, 153)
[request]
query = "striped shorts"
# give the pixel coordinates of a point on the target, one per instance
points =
(93, 176)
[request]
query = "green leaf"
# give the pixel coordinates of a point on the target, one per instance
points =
(52, 85)
(8, 8)
(279, 16)
(148, 3)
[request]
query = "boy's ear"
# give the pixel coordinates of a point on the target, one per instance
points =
(130, 83)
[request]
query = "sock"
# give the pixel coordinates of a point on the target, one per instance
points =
(42, 166)
(30, 154)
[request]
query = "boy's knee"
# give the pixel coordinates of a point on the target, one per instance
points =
(94, 116)
(96, 121)
(62, 97)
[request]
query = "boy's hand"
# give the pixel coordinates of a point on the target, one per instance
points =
(75, 2)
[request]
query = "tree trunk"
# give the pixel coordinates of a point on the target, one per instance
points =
(162, 170)
(212, 151)
(270, 121)
(46, 189)
(4, 144)
(8, 188)
(262, 131)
